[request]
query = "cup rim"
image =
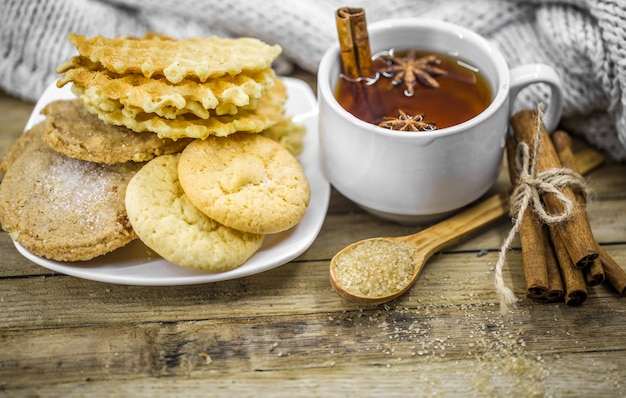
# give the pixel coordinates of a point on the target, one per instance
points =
(497, 59)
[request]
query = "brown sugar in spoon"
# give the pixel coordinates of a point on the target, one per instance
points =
(374, 271)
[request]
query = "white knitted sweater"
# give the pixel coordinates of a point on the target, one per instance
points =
(585, 40)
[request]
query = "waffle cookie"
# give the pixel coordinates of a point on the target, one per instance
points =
(192, 88)
(200, 58)
(268, 112)
(223, 95)
(287, 133)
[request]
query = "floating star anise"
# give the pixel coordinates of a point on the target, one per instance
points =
(412, 70)
(406, 122)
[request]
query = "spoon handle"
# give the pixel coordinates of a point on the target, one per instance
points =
(437, 236)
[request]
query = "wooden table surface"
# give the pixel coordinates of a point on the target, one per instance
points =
(284, 332)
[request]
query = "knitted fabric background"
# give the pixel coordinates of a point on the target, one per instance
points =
(584, 40)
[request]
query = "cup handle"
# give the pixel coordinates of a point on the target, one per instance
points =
(524, 75)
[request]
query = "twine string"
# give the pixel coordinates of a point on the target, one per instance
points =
(530, 186)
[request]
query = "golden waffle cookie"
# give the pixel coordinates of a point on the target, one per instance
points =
(268, 112)
(167, 222)
(157, 95)
(62, 208)
(74, 132)
(288, 134)
(94, 95)
(201, 58)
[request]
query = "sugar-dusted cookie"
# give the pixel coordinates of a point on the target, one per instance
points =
(246, 181)
(19, 145)
(167, 222)
(62, 208)
(73, 131)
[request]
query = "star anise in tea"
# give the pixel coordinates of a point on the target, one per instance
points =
(412, 70)
(406, 122)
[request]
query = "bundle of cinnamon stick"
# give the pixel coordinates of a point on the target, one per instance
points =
(562, 259)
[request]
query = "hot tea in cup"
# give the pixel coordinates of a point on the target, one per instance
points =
(421, 176)
(448, 90)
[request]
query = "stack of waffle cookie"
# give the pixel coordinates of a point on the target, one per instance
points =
(178, 88)
(184, 144)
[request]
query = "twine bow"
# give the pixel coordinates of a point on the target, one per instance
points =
(530, 186)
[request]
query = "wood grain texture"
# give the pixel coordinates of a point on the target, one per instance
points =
(285, 333)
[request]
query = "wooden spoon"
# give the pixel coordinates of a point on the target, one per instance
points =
(427, 242)
(434, 238)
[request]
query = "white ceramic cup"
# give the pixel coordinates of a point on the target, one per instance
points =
(420, 177)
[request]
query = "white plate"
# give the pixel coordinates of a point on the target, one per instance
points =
(135, 264)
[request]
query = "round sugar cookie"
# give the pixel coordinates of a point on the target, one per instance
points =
(19, 145)
(62, 208)
(168, 223)
(246, 181)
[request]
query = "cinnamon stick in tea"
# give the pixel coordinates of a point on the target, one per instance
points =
(615, 275)
(575, 233)
(354, 46)
(594, 274)
(531, 236)
(356, 56)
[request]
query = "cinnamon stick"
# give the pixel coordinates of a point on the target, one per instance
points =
(573, 278)
(354, 47)
(532, 239)
(615, 275)
(555, 291)
(588, 159)
(594, 273)
(576, 235)
(356, 56)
